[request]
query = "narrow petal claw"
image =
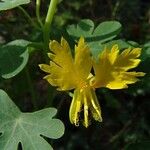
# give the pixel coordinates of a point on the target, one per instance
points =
(84, 100)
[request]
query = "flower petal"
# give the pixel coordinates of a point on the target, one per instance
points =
(128, 59)
(95, 107)
(84, 100)
(61, 69)
(121, 80)
(83, 60)
(75, 108)
(65, 72)
(45, 68)
(111, 69)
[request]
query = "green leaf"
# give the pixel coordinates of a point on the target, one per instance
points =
(138, 146)
(26, 128)
(121, 43)
(108, 30)
(133, 43)
(13, 58)
(97, 46)
(95, 37)
(147, 44)
(84, 28)
(9, 4)
(146, 51)
(105, 31)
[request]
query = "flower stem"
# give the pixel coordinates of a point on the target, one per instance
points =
(46, 31)
(48, 21)
(38, 4)
(116, 7)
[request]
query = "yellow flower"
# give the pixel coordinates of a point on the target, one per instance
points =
(110, 70)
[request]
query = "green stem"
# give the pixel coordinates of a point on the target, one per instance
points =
(114, 12)
(28, 16)
(34, 46)
(38, 4)
(48, 21)
(46, 31)
(37, 45)
(31, 88)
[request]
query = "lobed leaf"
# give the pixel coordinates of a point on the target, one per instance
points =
(95, 37)
(13, 58)
(9, 4)
(26, 128)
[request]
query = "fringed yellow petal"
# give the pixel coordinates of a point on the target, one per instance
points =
(53, 82)
(45, 68)
(111, 69)
(128, 59)
(61, 69)
(113, 54)
(61, 54)
(123, 79)
(61, 76)
(83, 60)
(65, 72)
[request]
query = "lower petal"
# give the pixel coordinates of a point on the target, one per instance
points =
(75, 108)
(84, 99)
(86, 113)
(95, 107)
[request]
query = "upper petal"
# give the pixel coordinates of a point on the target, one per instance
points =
(61, 68)
(83, 60)
(128, 59)
(111, 68)
(67, 72)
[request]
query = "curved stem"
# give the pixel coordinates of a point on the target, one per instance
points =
(114, 12)
(28, 16)
(38, 45)
(46, 31)
(48, 21)
(38, 4)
